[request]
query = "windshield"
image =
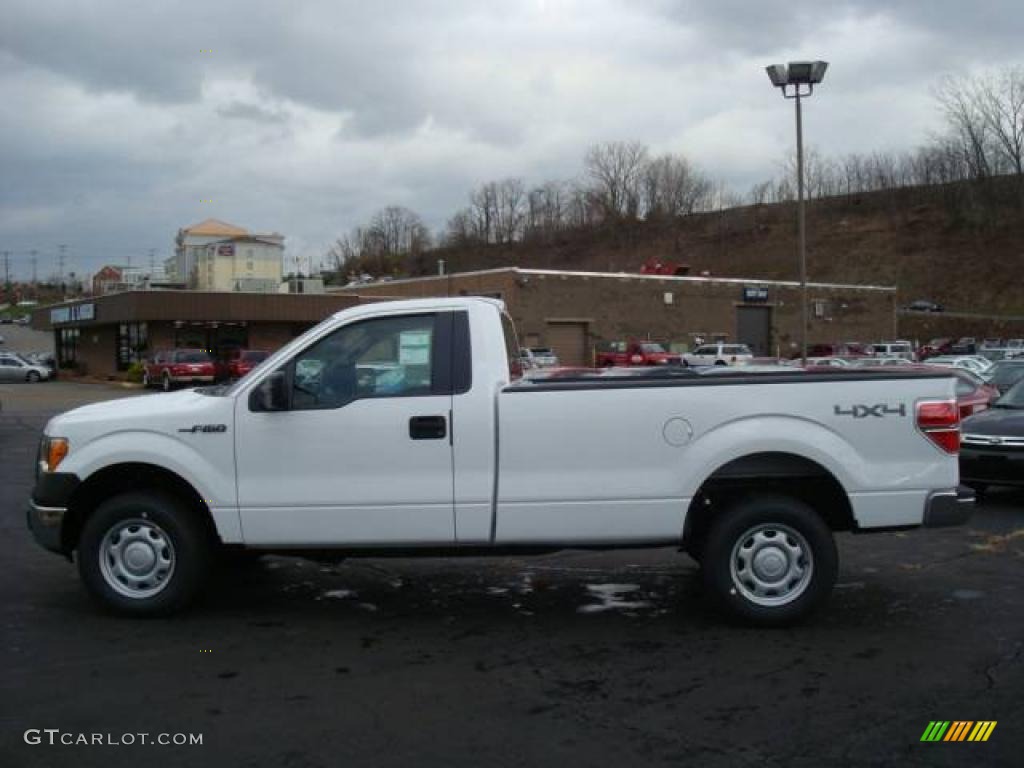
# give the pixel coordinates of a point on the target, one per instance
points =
(652, 349)
(1005, 375)
(541, 351)
(192, 356)
(1014, 398)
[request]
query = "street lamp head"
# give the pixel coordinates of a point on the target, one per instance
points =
(797, 73)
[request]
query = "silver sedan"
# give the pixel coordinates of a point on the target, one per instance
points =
(14, 368)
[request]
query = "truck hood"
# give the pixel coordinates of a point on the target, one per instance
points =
(1005, 422)
(166, 413)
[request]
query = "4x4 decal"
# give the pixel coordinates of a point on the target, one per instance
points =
(881, 410)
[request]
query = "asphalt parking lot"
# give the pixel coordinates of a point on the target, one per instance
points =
(571, 659)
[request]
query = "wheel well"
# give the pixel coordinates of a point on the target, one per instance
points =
(120, 478)
(783, 473)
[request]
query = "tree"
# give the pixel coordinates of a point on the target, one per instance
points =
(614, 170)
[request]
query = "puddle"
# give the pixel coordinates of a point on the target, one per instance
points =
(610, 598)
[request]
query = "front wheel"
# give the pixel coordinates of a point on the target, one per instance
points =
(769, 560)
(32, 377)
(166, 383)
(143, 554)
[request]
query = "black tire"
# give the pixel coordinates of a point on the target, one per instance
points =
(185, 543)
(782, 525)
(32, 377)
(165, 383)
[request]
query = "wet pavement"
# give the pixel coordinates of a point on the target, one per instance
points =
(571, 659)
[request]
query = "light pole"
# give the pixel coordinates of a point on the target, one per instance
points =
(793, 76)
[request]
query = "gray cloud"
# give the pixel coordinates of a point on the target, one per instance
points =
(305, 117)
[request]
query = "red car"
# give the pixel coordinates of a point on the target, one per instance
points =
(173, 367)
(934, 348)
(240, 362)
(840, 349)
(627, 353)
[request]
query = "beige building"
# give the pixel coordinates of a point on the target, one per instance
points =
(216, 256)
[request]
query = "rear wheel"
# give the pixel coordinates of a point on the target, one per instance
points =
(32, 377)
(769, 560)
(165, 383)
(143, 554)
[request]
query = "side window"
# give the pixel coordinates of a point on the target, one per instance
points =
(383, 357)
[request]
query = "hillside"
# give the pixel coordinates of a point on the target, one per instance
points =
(912, 238)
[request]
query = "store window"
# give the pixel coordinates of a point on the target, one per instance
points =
(67, 347)
(132, 344)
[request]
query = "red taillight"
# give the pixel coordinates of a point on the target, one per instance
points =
(939, 421)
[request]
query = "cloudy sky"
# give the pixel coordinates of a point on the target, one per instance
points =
(123, 121)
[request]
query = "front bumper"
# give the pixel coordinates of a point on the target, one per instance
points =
(47, 526)
(48, 509)
(197, 379)
(992, 465)
(947, 508)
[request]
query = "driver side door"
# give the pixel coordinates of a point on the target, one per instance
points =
(361, 455)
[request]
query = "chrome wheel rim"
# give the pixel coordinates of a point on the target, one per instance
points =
(167, 383)
(771, 564)
(137, 558)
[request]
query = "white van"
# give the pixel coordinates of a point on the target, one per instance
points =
(902, 349)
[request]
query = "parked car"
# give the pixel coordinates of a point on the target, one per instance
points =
(537, 357)
(939, 346)
(902, 349)
(1005, 374)
(44, 359)
(921, 305)
(720, 354)
(14, 367)
(628, 353)
(992, 448)
(875, 362)
(170, 368)
(839, 349)
(833, 362)
(23, 320)
(1015, 344)
(751, 474)
(977, 365)
(965, 345)
(240, 362)
(991, 343)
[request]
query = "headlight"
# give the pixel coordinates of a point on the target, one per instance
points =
(52, 451)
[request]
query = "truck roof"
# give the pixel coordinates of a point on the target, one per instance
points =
(407, 305)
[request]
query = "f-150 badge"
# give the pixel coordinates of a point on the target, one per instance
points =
(205, 428)
(881, 410)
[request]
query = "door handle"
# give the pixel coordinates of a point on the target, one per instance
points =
(428, 428)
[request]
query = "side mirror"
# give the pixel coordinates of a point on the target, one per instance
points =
(271, 394)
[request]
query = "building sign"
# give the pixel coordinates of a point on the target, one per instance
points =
(73, 314)
(753, 293)
(226, 250)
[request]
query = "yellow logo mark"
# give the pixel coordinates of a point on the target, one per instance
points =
(959, 730)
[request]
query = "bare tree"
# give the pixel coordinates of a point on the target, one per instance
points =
(672, 187)
(614, 170)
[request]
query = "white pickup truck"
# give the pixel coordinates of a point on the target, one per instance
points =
(398, 428)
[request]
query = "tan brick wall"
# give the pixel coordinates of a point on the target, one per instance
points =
(632, 306)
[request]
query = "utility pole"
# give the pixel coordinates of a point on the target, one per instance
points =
(62, 254)
(152, 260)
(7, 269)
(35, 262)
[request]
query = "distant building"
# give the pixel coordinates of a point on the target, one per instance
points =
(215, 256)
(116, 279)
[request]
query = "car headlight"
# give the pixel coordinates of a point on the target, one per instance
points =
(52, 451)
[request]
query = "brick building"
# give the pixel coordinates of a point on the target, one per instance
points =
(573, 312)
